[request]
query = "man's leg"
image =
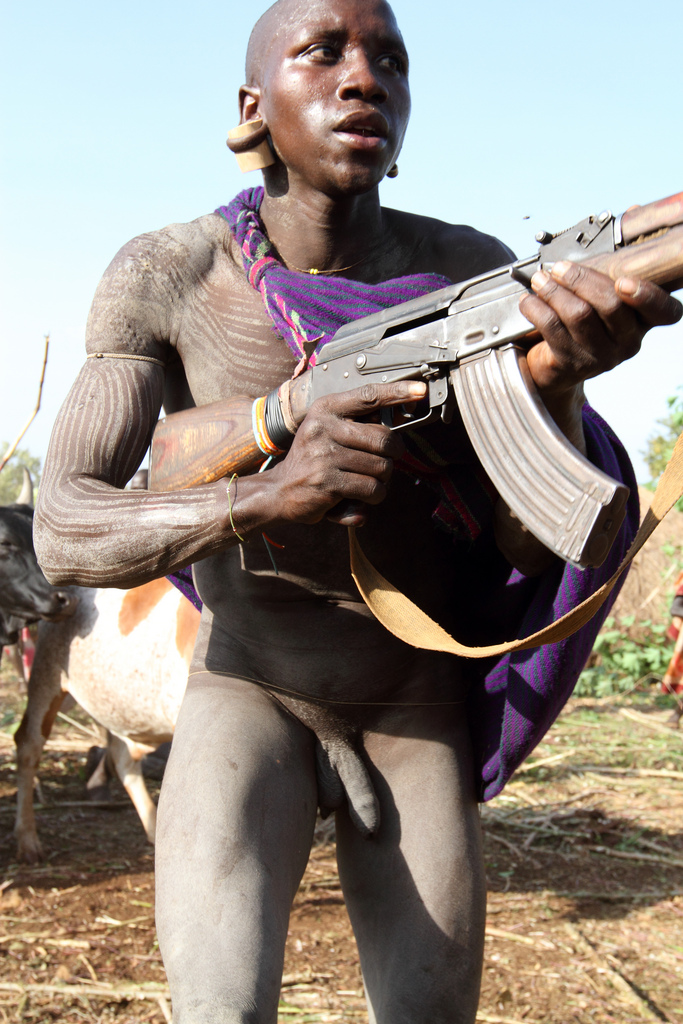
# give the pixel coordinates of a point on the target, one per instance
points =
(235, 825)
(416, 891)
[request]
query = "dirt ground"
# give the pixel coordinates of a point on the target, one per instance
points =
(584, 854)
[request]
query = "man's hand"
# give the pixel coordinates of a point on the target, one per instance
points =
(589, 323)
(338, 456)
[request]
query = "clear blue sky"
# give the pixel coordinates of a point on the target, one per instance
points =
(116, 115)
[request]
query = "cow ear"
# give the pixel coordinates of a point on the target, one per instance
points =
(26, 492)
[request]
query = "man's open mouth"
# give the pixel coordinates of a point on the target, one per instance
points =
(364, 126)
(367, 133)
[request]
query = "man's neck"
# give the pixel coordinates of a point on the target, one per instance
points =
(312, 230)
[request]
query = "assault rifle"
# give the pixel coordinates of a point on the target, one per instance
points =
(467, 341)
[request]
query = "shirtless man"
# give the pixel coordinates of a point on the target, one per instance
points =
(297, 696)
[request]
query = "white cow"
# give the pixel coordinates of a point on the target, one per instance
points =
(124, 657)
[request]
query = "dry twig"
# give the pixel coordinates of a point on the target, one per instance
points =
(639, 773)
(650, 858)
(103, 990)
(13, 447)
(86, 730)
(500, 933)
(514, 850)
(528, 765)
(617, 980)
(635, 716)
(42, 937)
(106, 805)
(492, 1018)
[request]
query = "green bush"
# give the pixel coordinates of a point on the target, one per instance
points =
(620, 662)
(660, 446)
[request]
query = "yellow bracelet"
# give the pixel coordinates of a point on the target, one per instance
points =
(232, 523)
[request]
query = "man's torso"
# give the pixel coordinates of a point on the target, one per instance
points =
(307, 616)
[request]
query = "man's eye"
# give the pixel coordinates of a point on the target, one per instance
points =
(392, 62)
(321, 52)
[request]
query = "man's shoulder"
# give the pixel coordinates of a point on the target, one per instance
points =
(140, 300)
(457, 251)
(180, 245)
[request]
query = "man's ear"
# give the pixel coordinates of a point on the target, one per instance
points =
(249, 140)
(249, 99)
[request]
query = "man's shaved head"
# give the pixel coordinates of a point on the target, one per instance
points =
(261, 34)
(268, 27)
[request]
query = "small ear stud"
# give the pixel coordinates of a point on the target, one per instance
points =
(393, 171)
(249, 143)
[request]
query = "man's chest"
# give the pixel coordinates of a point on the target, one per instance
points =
(226, 339)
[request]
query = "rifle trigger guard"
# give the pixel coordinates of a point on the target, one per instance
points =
(618, 236)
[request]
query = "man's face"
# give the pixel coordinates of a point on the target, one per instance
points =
(334, 93)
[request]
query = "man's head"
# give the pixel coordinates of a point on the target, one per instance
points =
(330, 79)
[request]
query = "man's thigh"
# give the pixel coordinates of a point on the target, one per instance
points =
(416, 891)
(236, 817)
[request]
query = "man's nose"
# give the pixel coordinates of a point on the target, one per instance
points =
(361, 79)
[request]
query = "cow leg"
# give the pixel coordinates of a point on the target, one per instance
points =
(98, 773)
(68, 703)
(14, 657)
(126, 757)
(45, 697)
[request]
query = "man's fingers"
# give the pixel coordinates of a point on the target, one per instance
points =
(348, 513)
(357, 487)
(374, 438)
(588, 322)
(655, 305)
(587, 303)
(338, 456)
(563, 357)
(367, 399)
(364, 464)
(335, 432)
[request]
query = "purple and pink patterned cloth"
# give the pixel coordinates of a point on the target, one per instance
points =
(307, 310)
(513, 699)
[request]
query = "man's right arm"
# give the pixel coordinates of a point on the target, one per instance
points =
(92, 532)
(88, 529)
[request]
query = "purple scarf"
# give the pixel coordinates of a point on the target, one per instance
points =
(515, 699)
(306, 309)
(519, 696)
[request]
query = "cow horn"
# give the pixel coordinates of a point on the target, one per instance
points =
(26, 493)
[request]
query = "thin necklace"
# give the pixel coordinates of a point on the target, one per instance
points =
(337, 270)
(314, 270)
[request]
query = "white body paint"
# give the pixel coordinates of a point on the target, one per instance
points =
(124, 657)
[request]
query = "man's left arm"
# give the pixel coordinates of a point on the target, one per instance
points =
(588, 324)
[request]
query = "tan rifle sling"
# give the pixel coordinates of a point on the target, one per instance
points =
(406, 621)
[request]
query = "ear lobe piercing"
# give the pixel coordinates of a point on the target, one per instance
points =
(249, 143)
(393, 171)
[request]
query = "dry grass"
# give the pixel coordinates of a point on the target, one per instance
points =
(585, 865)
(647, 591)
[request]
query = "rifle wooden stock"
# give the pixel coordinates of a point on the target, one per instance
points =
(201, 445)
(659, 260)
(205, 444)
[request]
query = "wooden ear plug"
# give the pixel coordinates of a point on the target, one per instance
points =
(249, 143)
